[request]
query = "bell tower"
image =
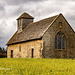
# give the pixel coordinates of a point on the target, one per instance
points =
(23, 21)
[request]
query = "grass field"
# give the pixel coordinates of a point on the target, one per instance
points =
(24, 66)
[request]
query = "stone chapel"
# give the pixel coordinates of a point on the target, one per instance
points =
(52, 37)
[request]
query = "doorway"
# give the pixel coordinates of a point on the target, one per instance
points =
(32, 53)
(11, 53)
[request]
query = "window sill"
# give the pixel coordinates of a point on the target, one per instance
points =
(60, 49)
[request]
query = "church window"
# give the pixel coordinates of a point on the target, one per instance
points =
(63, 42)
(60, 23)
(60, 41)
(20, 48)
(56, 42)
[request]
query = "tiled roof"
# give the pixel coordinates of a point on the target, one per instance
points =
(32, 31)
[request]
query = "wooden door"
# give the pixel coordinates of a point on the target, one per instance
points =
(11, 53)
(32, 53)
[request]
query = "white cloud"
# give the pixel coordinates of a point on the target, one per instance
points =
(10, 10)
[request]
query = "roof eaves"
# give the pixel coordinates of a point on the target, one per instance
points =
(24, 41)
(25, 18)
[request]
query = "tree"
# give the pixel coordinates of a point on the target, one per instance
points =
(3, 52)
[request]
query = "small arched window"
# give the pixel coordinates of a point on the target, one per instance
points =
(60, 41)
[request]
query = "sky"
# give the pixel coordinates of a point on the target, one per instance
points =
(10, 10)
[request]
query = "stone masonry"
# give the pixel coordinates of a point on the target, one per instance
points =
(37, 39)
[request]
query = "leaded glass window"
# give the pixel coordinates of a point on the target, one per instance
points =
(56, 42)
(60, 41)
(63, 42)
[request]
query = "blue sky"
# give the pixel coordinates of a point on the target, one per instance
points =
(10, 10)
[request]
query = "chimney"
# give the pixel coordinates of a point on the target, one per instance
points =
(24, 20)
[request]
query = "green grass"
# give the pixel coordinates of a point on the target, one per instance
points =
(24, 66)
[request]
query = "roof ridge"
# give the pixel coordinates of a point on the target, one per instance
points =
(43, 25)
(44, 19)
